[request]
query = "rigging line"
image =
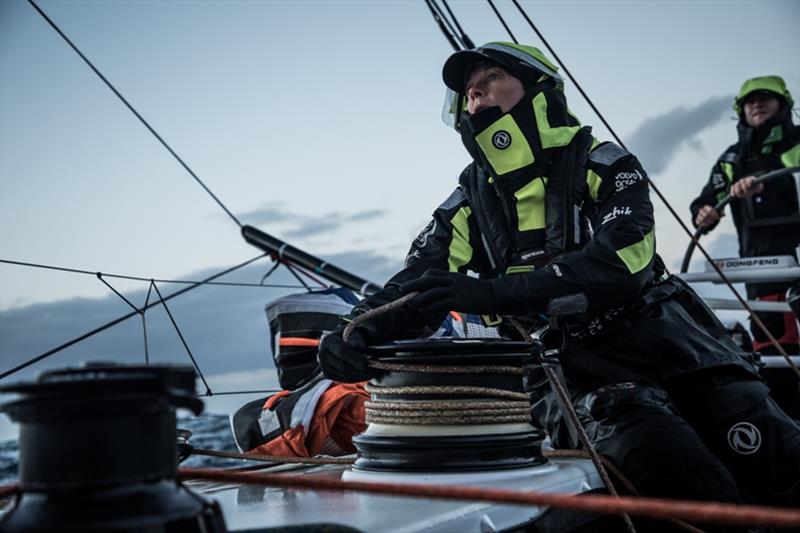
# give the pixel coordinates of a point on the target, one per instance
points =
(141, 119)
(144, 325)
(107, 284)
(464, 38)
(666, 203)
(116, 321)
(502, 21)
(271, 270)
(180, 335)
(446, 20)
(303, 270)
(296, 275)
(438, 20)
(137, 278)
(227, 393)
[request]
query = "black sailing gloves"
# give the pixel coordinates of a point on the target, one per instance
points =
(347, 361)
(441, 291)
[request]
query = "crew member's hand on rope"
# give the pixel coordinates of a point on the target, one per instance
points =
(345, 361)
(706, 216)
(744, 188)
(441, 291)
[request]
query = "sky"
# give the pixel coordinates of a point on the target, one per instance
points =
(317, 122)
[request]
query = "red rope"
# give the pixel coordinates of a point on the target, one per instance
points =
(718, 513)
(9, 490)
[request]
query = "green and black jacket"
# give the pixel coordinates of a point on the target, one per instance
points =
(586, 227)
(767, 223)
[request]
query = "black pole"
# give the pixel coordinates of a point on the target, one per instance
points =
(289, 253)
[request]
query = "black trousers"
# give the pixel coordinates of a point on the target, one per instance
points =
(712, 435)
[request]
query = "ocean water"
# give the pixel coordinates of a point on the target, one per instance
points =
(209, 431)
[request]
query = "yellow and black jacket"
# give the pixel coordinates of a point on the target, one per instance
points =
(767, 223)
(586, 227)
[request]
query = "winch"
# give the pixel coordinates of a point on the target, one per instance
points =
(98, 453)
(449, 405)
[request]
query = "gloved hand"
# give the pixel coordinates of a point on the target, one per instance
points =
(442, 291)
(345, 361)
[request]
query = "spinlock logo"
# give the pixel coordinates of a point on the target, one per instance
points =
(744, 438)
(531, 254)
(501, 140)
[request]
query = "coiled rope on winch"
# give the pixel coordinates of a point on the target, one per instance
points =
(501, 406)
(558, 387)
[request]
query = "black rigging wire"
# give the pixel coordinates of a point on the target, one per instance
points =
(447, 22)
(449, 36)
(666, 203)
(227, 393)
(144, 325)
(115, 291)
(129, 106)
(297, 276)
(180, 335)
(138, 278)
(465, 40)
(502, 21)
(116, 321)
(270, 271)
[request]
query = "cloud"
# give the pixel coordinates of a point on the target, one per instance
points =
(224, 326)
(657, 139)
(303, 225)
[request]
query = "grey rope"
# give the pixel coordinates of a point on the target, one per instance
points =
(391, 306)
(446, 369)
(447, 389)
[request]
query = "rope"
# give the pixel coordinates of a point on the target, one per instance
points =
(458, 419)
(614, 469)
(444, 369)
(569, 411)
(274, 458)
(7, 491)
(446, 412)
(663, 199)
(136, 113)
(428, 405)
(391, 306)
(657, 508)
(228, 393)
(447, 389)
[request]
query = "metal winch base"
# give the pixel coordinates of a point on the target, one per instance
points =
(449, 453)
